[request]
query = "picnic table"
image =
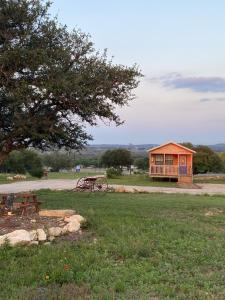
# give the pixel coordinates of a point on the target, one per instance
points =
(22, 201)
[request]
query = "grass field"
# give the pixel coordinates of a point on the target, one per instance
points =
(210, 180)
(3, 178)
(147, 246)
(139, 180)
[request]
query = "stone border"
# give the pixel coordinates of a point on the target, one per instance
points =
(41, 236)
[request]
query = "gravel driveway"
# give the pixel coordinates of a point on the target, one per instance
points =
(67, 184)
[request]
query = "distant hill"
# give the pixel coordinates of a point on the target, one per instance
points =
(218, 147)
(143, 147)
(129, 146)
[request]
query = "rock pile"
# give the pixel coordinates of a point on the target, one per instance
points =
(70, 223)
(17, 177)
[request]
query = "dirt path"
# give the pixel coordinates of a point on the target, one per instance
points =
(64, 184)
(25, 186)
(211, 189)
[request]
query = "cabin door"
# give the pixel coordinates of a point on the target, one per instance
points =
(183, 165)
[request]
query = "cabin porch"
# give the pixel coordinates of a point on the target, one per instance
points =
(170, 165)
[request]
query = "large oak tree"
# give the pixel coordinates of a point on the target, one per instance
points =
(52, 81)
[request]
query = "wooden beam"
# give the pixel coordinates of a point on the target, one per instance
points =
(150, 161)
(178, 171)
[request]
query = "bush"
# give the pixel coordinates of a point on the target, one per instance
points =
(24, 161)
(113, 173)
(36, 172)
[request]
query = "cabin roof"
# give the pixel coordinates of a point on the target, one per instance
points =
(173, 143)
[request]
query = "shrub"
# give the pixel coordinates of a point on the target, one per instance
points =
(24, 161)
(36, 172)
(113, 173)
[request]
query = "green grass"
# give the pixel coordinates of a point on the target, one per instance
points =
(209, 180)
(3, 178)
(70, 175)
(140, 180)
(147, 245)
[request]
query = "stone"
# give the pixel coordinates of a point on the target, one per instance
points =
(65, 229)
(41, 235)
(33, 235)
(72, 226)
(209, 214)
(77, 218)
(47, 243)
(33, 221)
(17, 237)
(120, 189)
(34, 243)
(51, 238)
(55, 231)
(61, 224)
(58, 213)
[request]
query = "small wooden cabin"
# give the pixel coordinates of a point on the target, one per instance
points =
(171, 160)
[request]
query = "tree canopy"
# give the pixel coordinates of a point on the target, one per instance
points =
(116, 158)
(23, 162)
(52, 81)
(205, 159)
(56, 161)
(142, 163)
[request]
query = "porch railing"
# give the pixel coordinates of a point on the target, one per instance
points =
(169, 170)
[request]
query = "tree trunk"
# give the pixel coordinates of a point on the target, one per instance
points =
(3, 157)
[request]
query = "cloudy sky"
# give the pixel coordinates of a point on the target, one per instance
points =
(180, 48)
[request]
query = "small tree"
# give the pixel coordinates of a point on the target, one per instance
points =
(57, 161)
(52, 81)
(24, 161)
(117, 158)
(206, 160)
(15, 163)
(142, 163)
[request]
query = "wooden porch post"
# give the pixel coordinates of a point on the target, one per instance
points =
(150, 161)
(164, 162)
(178, 169)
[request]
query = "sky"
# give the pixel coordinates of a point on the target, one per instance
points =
(180, 48)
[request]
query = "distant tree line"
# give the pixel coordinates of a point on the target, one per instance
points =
(33, 162)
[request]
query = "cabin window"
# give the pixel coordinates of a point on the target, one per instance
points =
(159, 159)
(169, 159)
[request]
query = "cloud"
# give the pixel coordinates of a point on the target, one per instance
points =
(196, 84)
(205, 100)
(212, 99)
